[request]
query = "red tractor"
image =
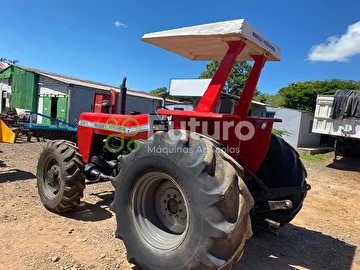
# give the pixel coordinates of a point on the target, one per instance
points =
(185, 199)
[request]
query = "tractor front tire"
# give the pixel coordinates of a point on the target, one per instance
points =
(181, 204)
(60, 178)
(281, 168)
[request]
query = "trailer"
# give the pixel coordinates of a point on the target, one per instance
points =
(338, 116)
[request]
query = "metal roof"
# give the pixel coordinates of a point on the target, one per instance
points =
(3, 65)
(95, 85)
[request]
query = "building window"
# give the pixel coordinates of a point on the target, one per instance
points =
(10, 81)
(269, 115)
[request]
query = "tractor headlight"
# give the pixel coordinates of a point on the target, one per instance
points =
(263, 125)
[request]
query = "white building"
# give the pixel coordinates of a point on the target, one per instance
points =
(299, 126)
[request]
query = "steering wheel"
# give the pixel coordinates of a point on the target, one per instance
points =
(160, 107)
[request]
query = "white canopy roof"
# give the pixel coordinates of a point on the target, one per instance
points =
(208, 41)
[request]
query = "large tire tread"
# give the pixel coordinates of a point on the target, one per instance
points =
(226, 202)
(71, 164)
(282, 167)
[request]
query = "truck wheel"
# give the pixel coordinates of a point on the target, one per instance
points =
(281, 168)
(339, 148)
(60, 178)
(181, 204)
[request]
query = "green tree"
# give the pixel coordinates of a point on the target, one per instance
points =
(159, 91)
(237, 79)
(280, 132)
(302, 95)
(273, 100)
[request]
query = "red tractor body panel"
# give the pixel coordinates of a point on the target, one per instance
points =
(247, 141)
(132, 127)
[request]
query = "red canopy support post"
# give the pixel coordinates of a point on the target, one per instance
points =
(208, 101)
(244, 103)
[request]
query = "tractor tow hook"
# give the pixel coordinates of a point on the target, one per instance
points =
(273, 223)
(280, 205)
(266, 206)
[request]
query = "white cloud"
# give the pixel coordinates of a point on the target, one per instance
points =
(119, 24)
(336, 48)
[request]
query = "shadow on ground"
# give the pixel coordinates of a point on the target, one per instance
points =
(294, 248)
(346, 164)
(2, 164)
(93, 212)
(15, 175)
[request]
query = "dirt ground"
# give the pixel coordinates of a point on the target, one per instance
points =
(325, 235)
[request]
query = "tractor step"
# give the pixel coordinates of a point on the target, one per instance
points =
(273, 223)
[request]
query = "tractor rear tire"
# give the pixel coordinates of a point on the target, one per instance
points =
(60, 178)
(281, 168)
(181, 204)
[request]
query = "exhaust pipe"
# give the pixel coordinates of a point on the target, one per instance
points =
(163, 102)
(123, 96)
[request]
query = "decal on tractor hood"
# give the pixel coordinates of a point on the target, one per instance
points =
(112, 127)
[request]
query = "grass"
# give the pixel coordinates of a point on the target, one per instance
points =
(319, 157)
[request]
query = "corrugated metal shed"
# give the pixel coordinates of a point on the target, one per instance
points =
(23, 87)
(95, 85)
(3, 65)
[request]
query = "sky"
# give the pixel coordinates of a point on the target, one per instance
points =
(100, 40)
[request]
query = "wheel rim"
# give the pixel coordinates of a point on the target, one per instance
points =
(51, 179)
(160, 211)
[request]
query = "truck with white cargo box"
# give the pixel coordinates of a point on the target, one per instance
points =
(338, 115)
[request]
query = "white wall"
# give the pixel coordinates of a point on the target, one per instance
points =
(48, 86)
(4, 86)
(291, 120)
(306, 137)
